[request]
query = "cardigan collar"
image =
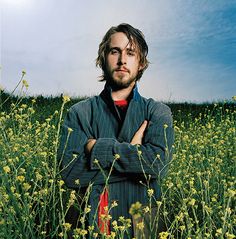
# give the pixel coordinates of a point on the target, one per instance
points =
(107, 98)
(106, 94)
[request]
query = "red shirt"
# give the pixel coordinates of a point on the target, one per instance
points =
(103, 202)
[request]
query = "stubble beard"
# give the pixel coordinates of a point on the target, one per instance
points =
(118, 83)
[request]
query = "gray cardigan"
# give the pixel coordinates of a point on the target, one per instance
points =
(98, 118)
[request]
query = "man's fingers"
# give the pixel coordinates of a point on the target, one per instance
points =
(89, 145)
(143, 127)
(137, 139)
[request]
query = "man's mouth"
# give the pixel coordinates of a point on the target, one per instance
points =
(122, 70)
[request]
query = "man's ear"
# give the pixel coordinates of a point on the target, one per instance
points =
(141, 66)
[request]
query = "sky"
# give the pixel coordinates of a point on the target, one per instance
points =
(192, 46)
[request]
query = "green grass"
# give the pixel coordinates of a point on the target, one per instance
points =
(199, 193)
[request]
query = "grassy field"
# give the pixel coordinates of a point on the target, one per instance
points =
(198, 199)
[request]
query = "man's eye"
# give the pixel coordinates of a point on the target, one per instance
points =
(114, 51)
(130, 53)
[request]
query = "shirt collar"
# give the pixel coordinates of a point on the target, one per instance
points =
(106, 93)
(136, 95)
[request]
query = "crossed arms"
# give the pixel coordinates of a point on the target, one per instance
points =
(136, 140)
(78, 151)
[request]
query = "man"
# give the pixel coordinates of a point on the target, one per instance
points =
(121, 142)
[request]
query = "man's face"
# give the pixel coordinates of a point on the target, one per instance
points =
(122, 61)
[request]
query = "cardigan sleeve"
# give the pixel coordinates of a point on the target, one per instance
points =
(72, 159)
(74, 163)
(150, 158)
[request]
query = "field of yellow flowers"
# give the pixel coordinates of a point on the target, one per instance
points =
(198, 194)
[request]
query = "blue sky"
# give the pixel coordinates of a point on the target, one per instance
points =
(192, 46)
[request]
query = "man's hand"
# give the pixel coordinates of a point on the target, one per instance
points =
(89, 145)
(137, 139)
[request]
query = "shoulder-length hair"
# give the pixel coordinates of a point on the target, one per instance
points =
(135, 37)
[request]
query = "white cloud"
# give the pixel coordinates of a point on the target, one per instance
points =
(57, 41)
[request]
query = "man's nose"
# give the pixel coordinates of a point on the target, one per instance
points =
(122, 59)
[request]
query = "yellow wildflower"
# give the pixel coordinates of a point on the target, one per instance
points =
(163, 235)
(165, 126)
(38, 176)
(158, 203)
(117, 156)
(95, 235)
(229, 235)
(61, 183)
(150, 192)
(219, 232)
(182, 228)
(20, 178)
(192, 202)
(146, 209)
(114, 204)
(113, 235)
(115, 225)
(26, 186)
(13, 189)
(83, 232)
(6, 169)
(70, 130)
(66, 98)
(140, 225)
(67, 226)
(77, 182)
(231, 192)
(135, 210)
(25, 84)
(2, 221)
(90, 228)
(72, 198)
(87, 209)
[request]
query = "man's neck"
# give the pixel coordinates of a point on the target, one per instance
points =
(122, 94)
